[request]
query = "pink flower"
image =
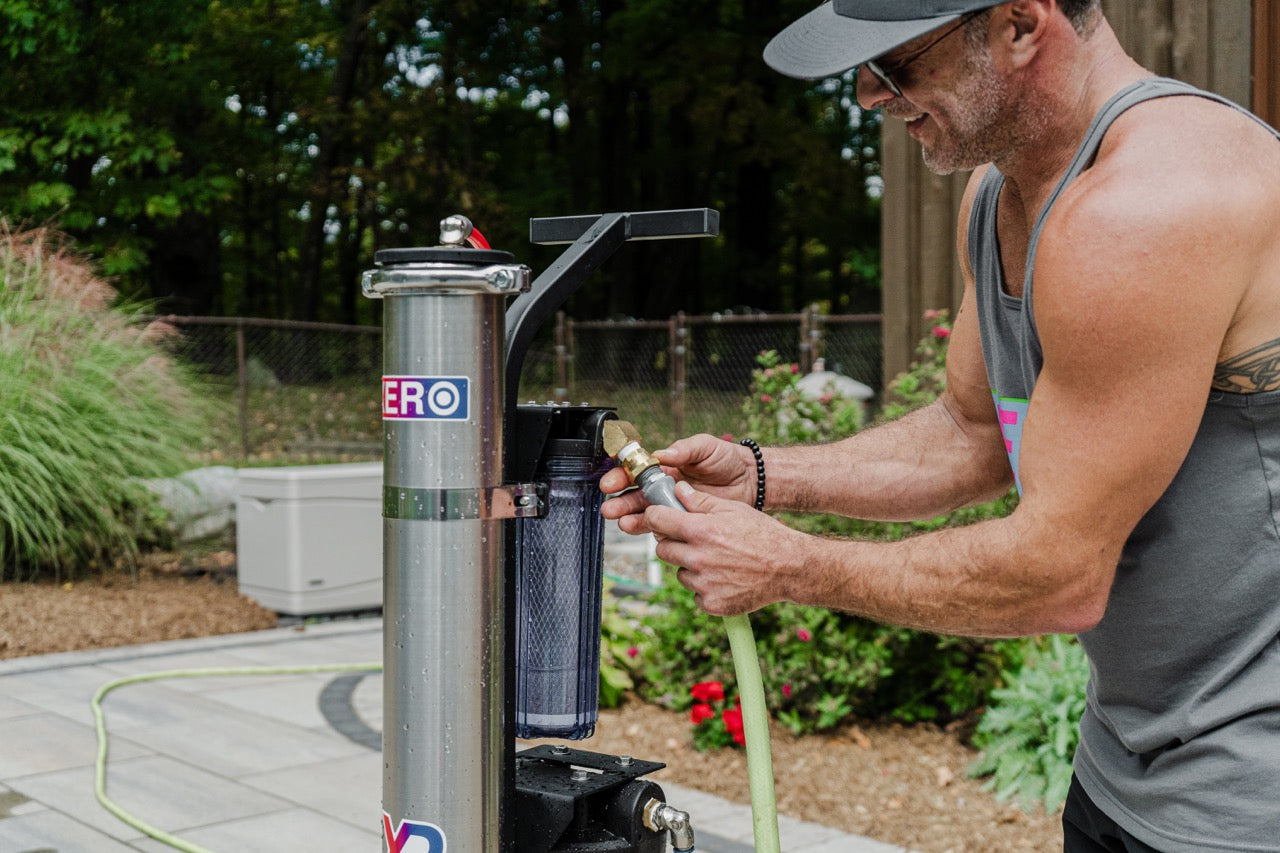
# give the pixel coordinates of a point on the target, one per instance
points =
(803, 635)
(795, 368)
(768, 373)
(632, 651)
(708, 691)
(765, 398)
(824, 399)
(786, 690)
(727, 437)
(932, 314)
(941, 332)
(701, 712)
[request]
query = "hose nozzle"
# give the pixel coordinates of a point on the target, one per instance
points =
(622, 442)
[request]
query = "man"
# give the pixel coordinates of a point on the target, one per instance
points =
(1116, 354)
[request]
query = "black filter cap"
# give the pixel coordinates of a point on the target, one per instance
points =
(442, 255)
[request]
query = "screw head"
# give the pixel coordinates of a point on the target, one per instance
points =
(579, 775)
(560, 749)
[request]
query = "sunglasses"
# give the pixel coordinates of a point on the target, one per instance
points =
(885, 74)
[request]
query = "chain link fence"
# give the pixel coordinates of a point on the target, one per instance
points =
(309, 392)
(691, 373)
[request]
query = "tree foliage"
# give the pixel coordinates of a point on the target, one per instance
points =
(249, 156)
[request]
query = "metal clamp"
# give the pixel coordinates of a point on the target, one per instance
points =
(445, 278)
(516, 500)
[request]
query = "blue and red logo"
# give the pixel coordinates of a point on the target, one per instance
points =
(425, 398)
(413, 836)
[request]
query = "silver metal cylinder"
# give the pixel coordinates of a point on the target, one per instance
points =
(443, 508)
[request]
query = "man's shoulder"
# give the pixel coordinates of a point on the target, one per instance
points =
(1189, 141)
(1178, 163)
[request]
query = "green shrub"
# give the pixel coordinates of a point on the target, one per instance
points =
(820, 667)
(926, 378)
(1029, 733)
(620, 639)
(777, 412)
(89, 404)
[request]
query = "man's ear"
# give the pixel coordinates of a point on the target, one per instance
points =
(1025, 25)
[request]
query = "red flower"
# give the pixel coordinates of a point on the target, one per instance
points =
(803, 635)
(733, 724)
(786, 690)
(727, 437)
(765, 398)
(701, 712)
(708, 691)
(795, 368)
(632, 651)
(941, 332)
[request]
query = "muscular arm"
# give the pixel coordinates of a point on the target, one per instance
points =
(946, 455)
(1130, 330)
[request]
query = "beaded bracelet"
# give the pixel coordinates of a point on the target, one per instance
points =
(755, 451)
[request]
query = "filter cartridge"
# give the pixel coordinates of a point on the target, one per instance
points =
(558, 588)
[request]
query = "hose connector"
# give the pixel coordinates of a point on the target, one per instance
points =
(660, 817)
(622, 442)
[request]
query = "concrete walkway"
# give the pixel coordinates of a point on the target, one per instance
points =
(239, 764)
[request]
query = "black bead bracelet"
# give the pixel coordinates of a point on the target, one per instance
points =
(755, 451)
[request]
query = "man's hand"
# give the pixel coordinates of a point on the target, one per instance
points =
(713, 465)
(732, 558)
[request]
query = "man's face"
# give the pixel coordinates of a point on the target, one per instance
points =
(954, 101)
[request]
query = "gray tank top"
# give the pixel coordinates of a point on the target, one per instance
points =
(1180, 740)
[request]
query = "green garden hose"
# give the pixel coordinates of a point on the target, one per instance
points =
(100, 765)
(755, 724)
(622, 441)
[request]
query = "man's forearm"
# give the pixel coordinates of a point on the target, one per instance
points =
(921, 466)
(996, 578)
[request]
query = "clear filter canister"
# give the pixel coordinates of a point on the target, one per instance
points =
(558, 589)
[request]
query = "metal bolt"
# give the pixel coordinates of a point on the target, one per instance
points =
(502, 279)
(579, 775)
(625, 760)
(560, 749)
(454, 230)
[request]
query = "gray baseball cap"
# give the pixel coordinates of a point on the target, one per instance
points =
(842, 34)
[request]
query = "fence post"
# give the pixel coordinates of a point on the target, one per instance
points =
(815, 334)
(677, 337)
(562, 357)
(242, 379)
(806, 357)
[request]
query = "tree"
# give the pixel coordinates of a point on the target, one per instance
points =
(249, 156)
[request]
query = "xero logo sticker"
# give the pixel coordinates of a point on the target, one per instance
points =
(413, 836)
(424, 398)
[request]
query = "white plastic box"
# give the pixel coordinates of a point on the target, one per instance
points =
(309, 537)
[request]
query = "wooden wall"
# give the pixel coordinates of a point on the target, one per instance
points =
(1227, 46)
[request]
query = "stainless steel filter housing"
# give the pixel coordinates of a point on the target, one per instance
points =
(443, 507)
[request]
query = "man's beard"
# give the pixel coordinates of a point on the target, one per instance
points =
(982, 128)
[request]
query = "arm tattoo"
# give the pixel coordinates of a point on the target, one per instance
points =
(1256, 370)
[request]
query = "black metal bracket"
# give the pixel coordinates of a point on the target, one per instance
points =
(649, 225)
(593, 239)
